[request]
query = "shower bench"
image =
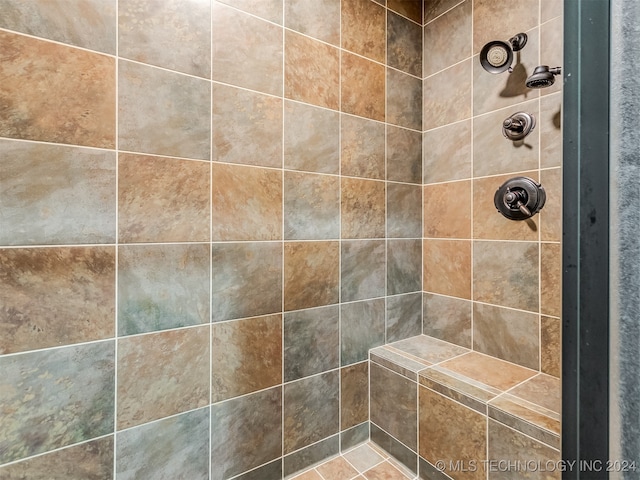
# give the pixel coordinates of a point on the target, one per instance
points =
(456, 413)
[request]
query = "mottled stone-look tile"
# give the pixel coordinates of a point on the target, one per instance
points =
(447, 267)
(362, 148)
(311, 138)
(315, 19)
(429, 350)
(311, 410)
(246, 356)
(409, 8)
(447, 210)
(506, 273)
(489, 371)
(551, 346)
(310, 456)
(404, 316)
(162, 287)
(551, 51)
(404, 266)
(51, 194)
(551, 214)
(54, 398)
(354, 395)
(176, 447)
(493, 153)
(247, 127)
(268, 9)
(447, 153)
(162, 199)
(163, 112)
(488, 223)
(245, 433)
(550, 9)
(338, 469)
(354, 436)
(361, 328)
(401, 457)
(404, 212)
(311, 274)
(362, 267)
(92, 26)
(363, 29)
(520, 17)
(55, 296)
(247, 280)
(507, 334)
(270, 471)
(161, 374)
(393, 404)
(174, 34)
(311, 206)
(363, 208)
(76, 101)
(364, 457)
(505, 444)
(404, 44)
(452, 431)
(448, 319)
(363, 87)
(492, 92)
(385, 471)
(88, 461)
(312, 71)
(447, 40)
(404, 155)
(551, 279)
(308, 475)
(404, 100)
(542, 390)
(447, 96)
(551, 131)
(247, 52)
(435, 8)
(311, 342)
(247, 203)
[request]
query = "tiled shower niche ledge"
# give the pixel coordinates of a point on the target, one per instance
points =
(462, 402)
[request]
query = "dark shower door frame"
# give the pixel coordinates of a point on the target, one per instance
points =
(585, 243)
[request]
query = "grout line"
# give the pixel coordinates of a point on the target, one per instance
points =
(117, 247)
(211, 183)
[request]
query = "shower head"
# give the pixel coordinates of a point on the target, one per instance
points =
(543, 76)
(497, 56)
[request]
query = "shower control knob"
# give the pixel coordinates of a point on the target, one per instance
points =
(518, 125)
(519, 198)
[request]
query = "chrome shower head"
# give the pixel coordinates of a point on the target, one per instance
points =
(543, 76)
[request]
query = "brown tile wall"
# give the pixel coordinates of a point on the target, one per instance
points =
(209, 212)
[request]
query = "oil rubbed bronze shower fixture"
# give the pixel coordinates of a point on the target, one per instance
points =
(497, 56)
(519, 198)
(543, 76)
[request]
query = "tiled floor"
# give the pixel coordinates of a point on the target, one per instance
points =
(364, 462)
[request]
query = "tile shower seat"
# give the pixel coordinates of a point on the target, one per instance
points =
(496, 394)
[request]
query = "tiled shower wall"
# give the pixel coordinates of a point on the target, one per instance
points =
(490, 283)
(209, 212)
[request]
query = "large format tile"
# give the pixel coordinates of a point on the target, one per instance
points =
(447, 96)
(362, 265)
(363, 208)
(311, 410)
(520, 17)
(426, 349)
(404, 266)
(310, 456)
(404, 44)
(311, 342)
(447, 267)
(354, 395)
(246, 356)
(93, 26)
(76, 101)
(551, 346)
(447, 210)
(362, 87)
(247, 52)
(246, 432)
(447, 318)
(411, 9)
(268, 9)
(311, 274)
(551, 279)
(404, 316)
(162, 199)
(551, 214)
(175, 447)
(363, 29)
(447, 153)
(163, 112)
(435, 8)
(361, 328)
(362, 149)
(54, 398)
(162, 287)
(551, 51)
(551, 131)
(447, 40)
(56, 296)
(247, 279)
(162, 374)
(315, 19)
(174, 34)
(404, 155)
(404, 99)
(404, 219)
(52, 194)
(247, 127)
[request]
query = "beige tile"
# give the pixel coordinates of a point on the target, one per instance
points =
(551, 279)
(551, 131)
(404, 155)
(315, 19)
(76, 101)
(488, 370)
(404, 99)
(384, 471)
(551, 214)
(551, 51)
(514, 18)
(162, 199)
(447, 153)
(408, 8)
(447, 96)
(362, 147)
(363, 29)
(247, 52)
(363, 457)
(550, 9)
(447, 267)
(427, 349)
(447, 40)
(447, 318)
(363, 87)
(447, 210)
(542, 390)
(363, 208)
(435, 8)
(312, 71)
(337, 469)
(268, 9)
(310, 475)
(404, 44)
(551, 346)
(247, 203)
